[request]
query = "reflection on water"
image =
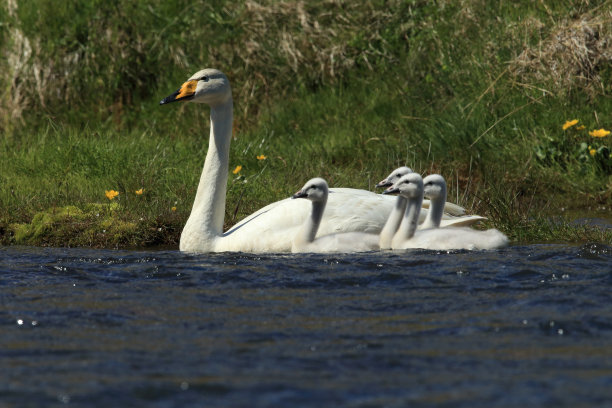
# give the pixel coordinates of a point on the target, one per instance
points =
(528, 325)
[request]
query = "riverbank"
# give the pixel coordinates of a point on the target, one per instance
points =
(497, 99)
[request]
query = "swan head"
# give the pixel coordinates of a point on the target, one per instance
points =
(314, 190)
(434, 187)
(394, 177)
(209, 86)
(409, 186)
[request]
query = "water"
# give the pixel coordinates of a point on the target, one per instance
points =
(527, 325)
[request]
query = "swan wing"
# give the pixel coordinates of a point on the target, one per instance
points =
(449, 208)
(463, 221)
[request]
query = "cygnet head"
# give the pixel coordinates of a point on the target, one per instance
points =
(315, 190)
(394, 177)
(209, 86)
(434, 187)
(409, 186)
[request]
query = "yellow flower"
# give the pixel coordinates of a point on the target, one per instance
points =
(581, 127)
(110, 194)
(599, 133)
(261, 157)
(173, 208)
(139, 192)
(237, 169)
(569, 123)
(592, 151)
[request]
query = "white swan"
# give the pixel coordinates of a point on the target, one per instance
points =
(272, 228)
(434, 188)
(316, 191)
(407, 236)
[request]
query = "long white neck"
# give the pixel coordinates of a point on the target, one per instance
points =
(393, 223)
(307, 232)
(435, 212)
(205, 222)
(409, 223)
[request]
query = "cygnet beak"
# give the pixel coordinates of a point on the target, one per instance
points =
(299, 194)
(391, 190)
(383, 183)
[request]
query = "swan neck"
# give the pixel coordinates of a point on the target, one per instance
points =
(436, 211)
(309, 228)
(208, 212)
(393, 222)
(410, 221)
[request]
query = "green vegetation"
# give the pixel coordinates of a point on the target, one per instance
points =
(476, 90)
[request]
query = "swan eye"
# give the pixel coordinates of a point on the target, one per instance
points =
(204, 78)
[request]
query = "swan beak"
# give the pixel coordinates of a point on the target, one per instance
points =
(186, 92)
(384, 183)
(391, 190)
(300, 194)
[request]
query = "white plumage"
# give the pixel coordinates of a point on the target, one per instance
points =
(456, 238)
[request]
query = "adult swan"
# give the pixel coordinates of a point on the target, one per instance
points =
(272, 228)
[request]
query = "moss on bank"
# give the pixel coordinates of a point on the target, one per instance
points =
(94, 225)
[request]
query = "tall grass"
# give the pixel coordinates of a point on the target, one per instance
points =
(475, 90)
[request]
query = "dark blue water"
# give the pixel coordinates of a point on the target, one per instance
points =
(523, 326)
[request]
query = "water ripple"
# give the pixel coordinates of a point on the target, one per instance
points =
(427, 328)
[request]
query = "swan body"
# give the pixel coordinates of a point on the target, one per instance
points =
(317, 191)
(456, 238)
(272, 228)
(407, 236)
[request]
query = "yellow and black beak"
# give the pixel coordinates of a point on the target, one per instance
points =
(185, 93)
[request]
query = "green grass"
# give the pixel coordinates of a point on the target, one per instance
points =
(437, 87)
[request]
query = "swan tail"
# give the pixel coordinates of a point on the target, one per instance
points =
(454, 209)
(465, 221)
(497, 239)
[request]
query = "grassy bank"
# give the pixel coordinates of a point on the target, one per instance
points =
(478, 93)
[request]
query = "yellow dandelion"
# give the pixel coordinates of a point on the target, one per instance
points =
(599, 133)
(139, 192)
(173, 208)
(569, 123)
(581, 127)
(261, 157)
(237, 169)
(110, 194)
(592, 151)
